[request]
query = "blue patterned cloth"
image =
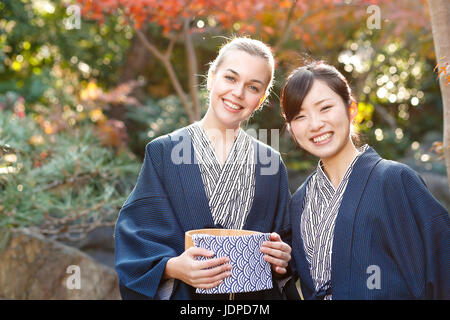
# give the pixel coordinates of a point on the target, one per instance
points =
(250, 272)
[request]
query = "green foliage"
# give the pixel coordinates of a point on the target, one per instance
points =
(35, 46)
(65, 184)
(156, 118)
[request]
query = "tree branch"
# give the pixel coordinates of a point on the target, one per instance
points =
(192, 68)
(307, 14)
(169, 50)
(285, 31)
(149, 45)
(165, 59)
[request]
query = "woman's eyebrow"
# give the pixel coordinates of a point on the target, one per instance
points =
(253, 80)
(320, 101)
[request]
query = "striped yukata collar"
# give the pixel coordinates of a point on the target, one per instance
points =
(229, 188)
(317, 227)
(325, 181)
(200, 138)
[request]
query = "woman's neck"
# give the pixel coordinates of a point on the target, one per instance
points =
(220, 136)
(336, 165)
(215, 130)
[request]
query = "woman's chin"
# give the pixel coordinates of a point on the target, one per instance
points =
(322, 152)
(228, 120)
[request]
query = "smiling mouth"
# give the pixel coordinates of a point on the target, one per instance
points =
(231, 105)
(321, 138)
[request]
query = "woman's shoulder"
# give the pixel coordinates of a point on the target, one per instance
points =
(164, 142)
(399, 178)
(390, 170)
(267, 156)
(394, 177)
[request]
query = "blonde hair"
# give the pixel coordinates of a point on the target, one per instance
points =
(252, 47)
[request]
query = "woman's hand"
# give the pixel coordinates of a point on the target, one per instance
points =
(204, 274)
(277, 253)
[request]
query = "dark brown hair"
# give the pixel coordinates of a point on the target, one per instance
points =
(299, 83)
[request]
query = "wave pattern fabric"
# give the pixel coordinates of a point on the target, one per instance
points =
(250, 272)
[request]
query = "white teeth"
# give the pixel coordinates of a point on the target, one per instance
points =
(232, 106)
(322, 138)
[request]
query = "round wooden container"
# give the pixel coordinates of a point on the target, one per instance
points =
(214, 232)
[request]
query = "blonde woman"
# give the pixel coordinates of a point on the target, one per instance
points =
(208, 174)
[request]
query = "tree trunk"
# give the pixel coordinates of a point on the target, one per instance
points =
(440, 24)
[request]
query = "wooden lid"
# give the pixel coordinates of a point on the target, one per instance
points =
(214, 232)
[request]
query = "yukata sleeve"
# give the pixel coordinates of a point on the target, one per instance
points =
(424, 225)
(147, 231)
(435, 231)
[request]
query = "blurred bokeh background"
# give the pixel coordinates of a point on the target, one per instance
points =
(85, 85)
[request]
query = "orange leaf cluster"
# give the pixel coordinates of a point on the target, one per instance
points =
(442, 69)
(112, 133)
(318, 24)
(169, 14)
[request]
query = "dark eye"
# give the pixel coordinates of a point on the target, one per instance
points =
(299, 117)
(325, 108)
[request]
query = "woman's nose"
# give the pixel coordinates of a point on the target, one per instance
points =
(238, 90)
(315, 122)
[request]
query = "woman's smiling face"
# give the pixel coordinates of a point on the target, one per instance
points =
(237, 87)
(322, 126)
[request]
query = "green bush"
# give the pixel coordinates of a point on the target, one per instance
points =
(63, 184)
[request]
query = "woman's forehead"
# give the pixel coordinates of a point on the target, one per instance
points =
(320, 92)
(242, 63)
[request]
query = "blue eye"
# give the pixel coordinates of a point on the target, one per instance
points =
(231, 78)
(253, 88)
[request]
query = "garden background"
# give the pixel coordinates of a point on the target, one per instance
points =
(85, 85)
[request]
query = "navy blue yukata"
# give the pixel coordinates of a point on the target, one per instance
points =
(169, 199)
(391, 237)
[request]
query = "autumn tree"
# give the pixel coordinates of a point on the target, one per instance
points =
(326, 29)
(180, 21)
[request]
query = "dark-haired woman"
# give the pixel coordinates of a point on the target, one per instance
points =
(363, 227)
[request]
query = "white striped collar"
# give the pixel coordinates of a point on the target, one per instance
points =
(323, 179)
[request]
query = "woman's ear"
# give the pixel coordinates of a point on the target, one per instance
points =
(288, 127)
(209, 80)
(261, 101)
(353, 110)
